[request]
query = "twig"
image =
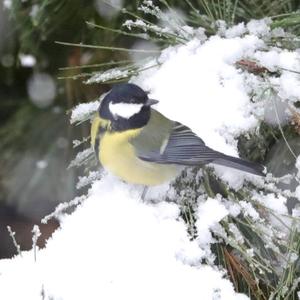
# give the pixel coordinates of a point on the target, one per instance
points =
(12, 235)
(36, 234)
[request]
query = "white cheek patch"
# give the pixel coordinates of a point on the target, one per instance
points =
(125, 110)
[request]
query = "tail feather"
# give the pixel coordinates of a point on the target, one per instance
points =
(240, 164)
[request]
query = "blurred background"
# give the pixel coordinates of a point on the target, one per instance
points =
(41, 80)
(35, 134)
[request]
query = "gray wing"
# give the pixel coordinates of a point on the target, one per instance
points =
(181, 146)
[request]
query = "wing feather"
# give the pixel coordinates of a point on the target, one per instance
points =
(184, 147)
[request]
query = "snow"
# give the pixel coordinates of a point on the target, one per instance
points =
(277, 58)
(132, 249)
(278, 205)
(141, 24)
(87, 180)
(249, 210)
(108, 75)
(207, 220)
(276, 202)
(207, 92)
(259, 27)
(207, 88)
(235, 31)
(115, 246)
(84, 111)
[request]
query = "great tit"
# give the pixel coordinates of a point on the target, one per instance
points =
(141, 146)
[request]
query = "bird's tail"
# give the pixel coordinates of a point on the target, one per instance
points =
(240, 164)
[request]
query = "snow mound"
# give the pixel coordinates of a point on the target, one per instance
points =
(116, 247)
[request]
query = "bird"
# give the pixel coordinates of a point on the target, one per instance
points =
(140, 145)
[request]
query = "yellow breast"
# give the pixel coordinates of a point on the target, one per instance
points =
(117, 155)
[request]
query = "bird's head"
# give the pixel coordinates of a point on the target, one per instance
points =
(126, 106)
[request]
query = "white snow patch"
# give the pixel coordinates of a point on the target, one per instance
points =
(277, 58)
(200, 83)
(277, 203)
(210, 213)
(235, 31)
(84, 111)
(259, 27)
(248, 210)
(131, 251)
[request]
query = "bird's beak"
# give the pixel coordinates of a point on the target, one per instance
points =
(151, 102)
